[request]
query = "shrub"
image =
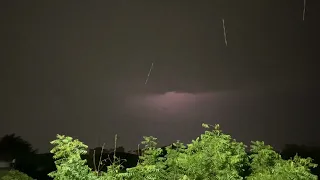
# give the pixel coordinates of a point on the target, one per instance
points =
(267, 164)
(213, 155)
(67, 153)
(16, 175)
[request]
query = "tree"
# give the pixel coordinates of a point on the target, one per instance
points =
(212, 156)
(67, 153)
(13, 147)
(267, 164)
(151, 164)
(290, 150)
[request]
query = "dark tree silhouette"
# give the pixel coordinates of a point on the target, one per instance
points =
(13, 147)
(27, 160)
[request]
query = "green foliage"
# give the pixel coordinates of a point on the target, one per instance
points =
(267, 164)
(212, 156)
(15, 175)
(67, 153)
(173, 155)
(151, 166)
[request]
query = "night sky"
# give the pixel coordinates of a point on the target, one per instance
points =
(79, 68)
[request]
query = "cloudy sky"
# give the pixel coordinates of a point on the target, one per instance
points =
(79, 68)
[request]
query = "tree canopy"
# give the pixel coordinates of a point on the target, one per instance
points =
(12, 147)
(212, 156)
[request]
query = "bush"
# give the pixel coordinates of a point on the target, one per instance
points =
(67, 153)
(213, 155)
(15, 175)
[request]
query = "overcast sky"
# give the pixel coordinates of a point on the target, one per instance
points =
(79, 68)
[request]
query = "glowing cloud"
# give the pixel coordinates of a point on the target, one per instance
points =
(174, 104)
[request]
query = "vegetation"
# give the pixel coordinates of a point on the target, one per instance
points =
(212, 156)
(15, 175)
(3, 172)
(13, 147)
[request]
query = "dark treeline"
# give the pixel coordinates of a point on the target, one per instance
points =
(14, 149)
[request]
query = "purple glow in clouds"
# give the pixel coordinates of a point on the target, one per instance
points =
(173, 104)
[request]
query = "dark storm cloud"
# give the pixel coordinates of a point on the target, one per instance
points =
(71, 62)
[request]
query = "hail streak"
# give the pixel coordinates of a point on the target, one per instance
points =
(149, 73)
(304, 9)
(225, 33)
